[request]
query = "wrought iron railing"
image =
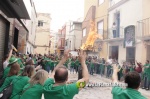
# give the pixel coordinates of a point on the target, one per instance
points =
(143, 28)
(115, 33)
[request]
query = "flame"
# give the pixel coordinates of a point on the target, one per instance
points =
(92, 36)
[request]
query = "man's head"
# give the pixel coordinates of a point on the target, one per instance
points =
(133, 80)
(61, 75)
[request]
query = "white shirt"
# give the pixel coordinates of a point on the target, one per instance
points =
(109, 61)
(5, 64)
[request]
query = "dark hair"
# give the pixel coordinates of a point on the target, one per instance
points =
(133, 80)
(28, 71)
(29, 62)
(14, 69)
(61, 74)
(147, 61)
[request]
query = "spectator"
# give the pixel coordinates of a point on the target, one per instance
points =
(21, 81)
(34, 89)
(59, 89)
(133, 80)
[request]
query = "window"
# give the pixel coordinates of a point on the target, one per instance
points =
(40, 23)
(100, 28)
(84, 32)
(100, 2)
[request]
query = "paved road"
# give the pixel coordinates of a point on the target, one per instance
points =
(98, 92)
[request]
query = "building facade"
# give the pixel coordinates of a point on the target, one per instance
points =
(42, 41)
(13, 28)
(75, 35)
(31, 25)
(122, 30)
(61, 40)
(143, 33)
(96, 10)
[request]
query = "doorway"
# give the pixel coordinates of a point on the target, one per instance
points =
(114, 50)
(16, 33)
(130, 54)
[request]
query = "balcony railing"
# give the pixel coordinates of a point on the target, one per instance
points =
(143, 28)
(115, 33)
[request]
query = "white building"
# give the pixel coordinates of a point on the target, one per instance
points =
(73, 37)
(32, 24)
(124, 14)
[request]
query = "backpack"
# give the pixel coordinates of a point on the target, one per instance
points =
(6, 93)
(2, 81)
(1, 72)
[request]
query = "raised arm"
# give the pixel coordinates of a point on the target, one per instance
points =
(115, 76)
(85, 74)
(10, 53)
(62, 61)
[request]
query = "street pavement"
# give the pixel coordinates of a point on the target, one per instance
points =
(98, 92)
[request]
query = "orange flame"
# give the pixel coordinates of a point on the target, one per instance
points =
(92, 36)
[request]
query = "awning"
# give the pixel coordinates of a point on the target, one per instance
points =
(14, 9)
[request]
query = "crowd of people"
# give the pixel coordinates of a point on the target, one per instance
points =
(30, 76)
(33, 75)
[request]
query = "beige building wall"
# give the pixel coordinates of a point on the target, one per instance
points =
(146, 8)
(101, 14)
(87, 5)
(43, 33)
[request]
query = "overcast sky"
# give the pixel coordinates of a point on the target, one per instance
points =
(61, 10)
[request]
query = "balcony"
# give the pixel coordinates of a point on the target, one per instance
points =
(115, 35)
(116, 3)
(143, 29)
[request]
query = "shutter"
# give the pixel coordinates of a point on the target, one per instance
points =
(2, 37)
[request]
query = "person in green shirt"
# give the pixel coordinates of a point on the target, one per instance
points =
(34, 89)
(72, 67)
(20, 81)
(146, 75)
(12, 61)
(133, 80)
(14, 70)
(59, 89)
(92, 67)
(77, 64)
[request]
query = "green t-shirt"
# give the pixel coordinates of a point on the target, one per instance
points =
(128, 93)
(77, 63)
(35, 92)
(146, 70)
(101, 67)
(18, 85)
(7, 81)
(131, 69)
(6, 71)
(72, 63)
(20, 63)
(59, 92)
(91, 65)
(109, 67)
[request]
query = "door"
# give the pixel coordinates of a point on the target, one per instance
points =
(118, 24)
(130, 54)
(16, 34)
(114, 50)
